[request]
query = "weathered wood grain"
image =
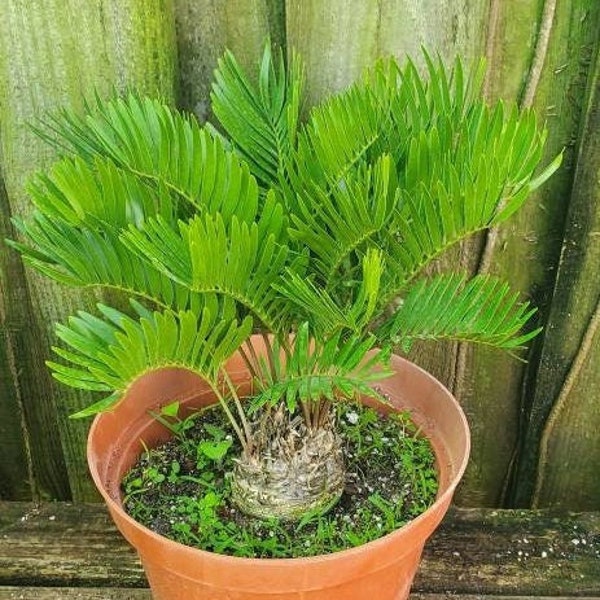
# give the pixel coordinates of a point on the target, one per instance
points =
(16, 472)
(339, 39)
(55, 54)
(568, 381)
(206, 27)
(63, 593)
(541, 226)
(475, 552)
(533, 553)
(12, 593)
(496, 390)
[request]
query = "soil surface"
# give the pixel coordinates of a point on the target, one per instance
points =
(181, 489)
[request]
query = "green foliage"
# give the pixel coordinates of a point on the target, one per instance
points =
(165, 150)
(208, 255)
(168, 416)
(481, 309)
(111, 353)
(332, 369)
(262, 123)
(317, 232)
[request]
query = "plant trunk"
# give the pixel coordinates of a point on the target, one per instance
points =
(291, 470)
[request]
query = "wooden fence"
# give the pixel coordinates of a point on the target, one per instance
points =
(534, 424)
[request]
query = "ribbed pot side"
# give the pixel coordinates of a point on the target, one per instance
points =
(382, 569)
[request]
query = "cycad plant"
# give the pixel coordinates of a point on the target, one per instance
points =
(315, 230)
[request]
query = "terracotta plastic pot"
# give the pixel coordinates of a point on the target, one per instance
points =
(382, 569)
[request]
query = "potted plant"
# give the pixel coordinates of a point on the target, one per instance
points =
(274, 261)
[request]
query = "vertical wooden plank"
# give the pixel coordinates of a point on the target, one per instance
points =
(487, 381)
(16, 471)
(339, 39)
(526, 249)
(31, 451)
(449, 27)
(15, 480)
(206, 27)
(53, 54)
(568, 381)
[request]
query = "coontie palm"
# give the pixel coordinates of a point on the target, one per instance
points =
(314, 228)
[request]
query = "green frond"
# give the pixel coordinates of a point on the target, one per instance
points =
(108, 354)
(314, 370)
(97, 193)
(337, 137)
(164, 148)
(461, 167)
(447, 90)
(459, 180)
(262, 120)
(481, 310)
(381, 113)
(367, 298)
(84, 257)
(207, 255)
(314, 304)
(328, 313)
(334, 224)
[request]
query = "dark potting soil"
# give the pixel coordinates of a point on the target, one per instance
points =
(181, 488)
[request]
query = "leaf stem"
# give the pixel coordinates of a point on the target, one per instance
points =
(240, 410)
(236, 427)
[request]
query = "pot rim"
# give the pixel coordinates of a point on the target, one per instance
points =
(438, 505)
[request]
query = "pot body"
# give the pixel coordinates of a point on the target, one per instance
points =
(382, 569)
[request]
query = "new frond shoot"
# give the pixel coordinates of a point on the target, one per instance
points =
(311, 228)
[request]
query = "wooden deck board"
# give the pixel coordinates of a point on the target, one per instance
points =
(53, 593)
(35, 593)
(74, 551)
